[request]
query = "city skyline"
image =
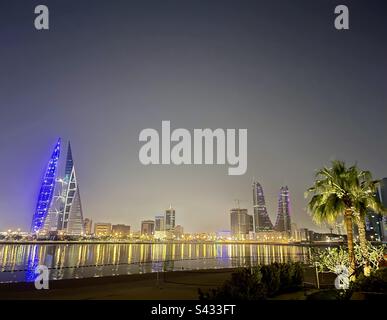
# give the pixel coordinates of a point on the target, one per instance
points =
(306, 92)
(63, 212)
(282, 217)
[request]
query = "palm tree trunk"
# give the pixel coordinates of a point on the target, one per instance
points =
(351, 251)
(363, 245)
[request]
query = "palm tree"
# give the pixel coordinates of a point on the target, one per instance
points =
(335, 193)
(360, 217)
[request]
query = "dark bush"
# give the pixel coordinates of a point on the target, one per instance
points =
(376, 282)
(281, 277)
(241, 286)
(259, 283)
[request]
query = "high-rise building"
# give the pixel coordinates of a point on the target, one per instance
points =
(383, 191)
(87, 225)
(376, 224)
(251, 223)
(383, 199)
(102, 229)
(169, 219)
(51, 222)
(120, 230)
(59, 205)
(159, 223)
(240, 223)
(147, 227)
(46, 192)
(70, 218)
(261, 218)
(283, 222)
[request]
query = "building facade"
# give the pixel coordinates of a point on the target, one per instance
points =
(251, 223)
(120, 230)
(283, 222)
(102, 229)
(240, 223)
(87, 226)
(59, 199)
(46, 192)
(147, 227)
(376, 224)
(71, 217)
(170, 216)
(178, 231)
(383, 199)
(159, 223)
(262, 220)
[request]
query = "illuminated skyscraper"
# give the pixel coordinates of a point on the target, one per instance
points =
(71, 216)
(376, 224)
(46, 191)
(283, 222)
(159, 223)
(261, 218)
(169, 219)
(59, 205)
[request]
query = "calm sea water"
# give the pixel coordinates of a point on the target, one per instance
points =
(68, 261)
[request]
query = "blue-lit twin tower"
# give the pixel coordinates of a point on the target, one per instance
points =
(59, 203)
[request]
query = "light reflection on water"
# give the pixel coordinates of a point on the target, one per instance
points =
(67, 261)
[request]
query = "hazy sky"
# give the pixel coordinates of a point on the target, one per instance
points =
(105, 70)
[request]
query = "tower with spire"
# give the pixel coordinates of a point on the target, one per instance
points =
(64, 211)
(71, 218)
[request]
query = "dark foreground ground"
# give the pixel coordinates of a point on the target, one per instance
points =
(181, 285)
(171, 285)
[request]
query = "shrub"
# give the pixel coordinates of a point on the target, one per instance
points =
(271, 278)
(243, 285)
(373, 286)
(334, 259)
(376, 282)
(259, 283)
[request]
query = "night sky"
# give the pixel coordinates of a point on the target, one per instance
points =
(105, 70)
